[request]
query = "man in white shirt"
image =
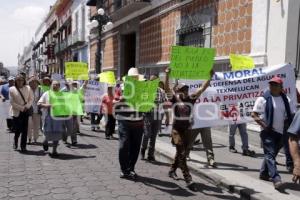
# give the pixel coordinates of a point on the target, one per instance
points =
(272, 112)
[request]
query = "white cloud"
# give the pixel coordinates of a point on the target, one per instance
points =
(29, 16)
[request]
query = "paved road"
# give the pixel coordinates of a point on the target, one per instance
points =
(88, 171)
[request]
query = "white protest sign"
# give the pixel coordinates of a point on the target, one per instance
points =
(93, 95)
(231, 95)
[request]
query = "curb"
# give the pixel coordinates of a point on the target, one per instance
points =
(217, 180)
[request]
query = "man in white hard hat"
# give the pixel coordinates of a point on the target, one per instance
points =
(130, 124)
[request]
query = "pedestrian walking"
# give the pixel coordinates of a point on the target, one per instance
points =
(35, 119)
(183, 107)
(244, 136)
(294, 133)
(207, 143)
(107, 109)
(152, 124)
(273, 113)
(21, 99)
(53, 127)
(6, 102)
(130, 130)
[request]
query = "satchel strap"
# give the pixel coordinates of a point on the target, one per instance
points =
(22, 96)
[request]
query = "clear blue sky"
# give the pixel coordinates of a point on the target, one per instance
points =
(18, 21)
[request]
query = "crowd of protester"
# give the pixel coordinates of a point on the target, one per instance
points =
(28, 114)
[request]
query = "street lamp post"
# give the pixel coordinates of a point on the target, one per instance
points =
(101, 21)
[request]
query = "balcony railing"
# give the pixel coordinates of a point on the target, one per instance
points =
(123, 8)
(77, 39)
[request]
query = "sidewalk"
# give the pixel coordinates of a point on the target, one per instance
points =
(234, 171)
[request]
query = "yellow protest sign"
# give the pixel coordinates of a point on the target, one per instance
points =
(107, 77)
(239, 62)
(76, 71)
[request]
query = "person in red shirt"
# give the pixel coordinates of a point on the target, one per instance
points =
(107, 109)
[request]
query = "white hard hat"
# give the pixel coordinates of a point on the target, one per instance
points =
(133, 72)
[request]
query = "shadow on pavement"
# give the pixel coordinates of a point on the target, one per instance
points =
(87, 135)
(205, 189)
(63, 156)
(289, 186)
(158, 163)
(34, 153)
(82, 146)
(166, 186)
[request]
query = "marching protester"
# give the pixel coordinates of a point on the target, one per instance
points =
(21, 99)
(273, 113)
(5, 100)
(152, 123)
(35, 119)
(294, 131)
(244, 137)
(107, 109)
(130, 129)
(207, 143)
(53, 128)
(183, 106)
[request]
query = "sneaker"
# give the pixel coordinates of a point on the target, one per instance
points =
(74, 143)
(192, 186)
(124, 175)
(143, 154)
(23, 150)
(54, 154)
(277, 185)
(249, 153)
(212, 163)
(107, 137)
(98, 127)
(93, 129)
(45, 147)
(265, 177)
(173, 175)
(151, 159)
(133, 175)
(232, 150)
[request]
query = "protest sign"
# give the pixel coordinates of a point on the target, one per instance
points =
(191, 63)
(240, 62)
(108, 77)
(76, 71)
(65, 103)
(93, 95)
(140, 95)
(44, 88)
(231, 95)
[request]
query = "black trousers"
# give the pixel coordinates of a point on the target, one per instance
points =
(21, 127)
(95, 119)
(110, 126)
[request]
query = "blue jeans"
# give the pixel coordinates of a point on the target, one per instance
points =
(130, 138)
(272, 143)
(243, 133)
(151, 128)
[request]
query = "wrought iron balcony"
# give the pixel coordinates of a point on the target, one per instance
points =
(123, 8)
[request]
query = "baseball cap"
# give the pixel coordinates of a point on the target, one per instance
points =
(276, 79)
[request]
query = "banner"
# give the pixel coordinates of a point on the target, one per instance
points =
(93, 95)
(76, 71)
(108, 77)
(240, 62)
(65, 103)
(231, 95)
(140, 95)
(191, 63)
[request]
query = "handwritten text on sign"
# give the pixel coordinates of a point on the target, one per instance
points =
(191, 63)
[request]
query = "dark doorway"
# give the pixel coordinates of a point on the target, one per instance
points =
(129, 51)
